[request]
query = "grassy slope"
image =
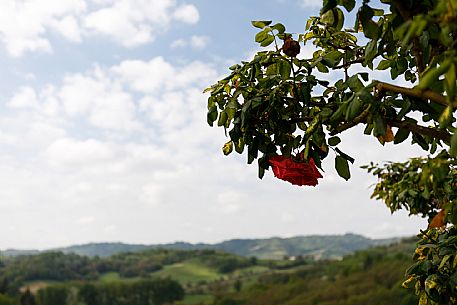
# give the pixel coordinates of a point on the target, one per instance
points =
(188, 272)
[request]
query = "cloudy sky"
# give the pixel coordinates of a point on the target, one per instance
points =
(103, 133)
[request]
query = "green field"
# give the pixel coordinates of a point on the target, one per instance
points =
(188, 272)
(110, 277)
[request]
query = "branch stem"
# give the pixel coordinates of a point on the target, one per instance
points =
(422, 94)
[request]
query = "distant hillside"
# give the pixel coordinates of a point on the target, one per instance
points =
(317, 246)
(14, 252)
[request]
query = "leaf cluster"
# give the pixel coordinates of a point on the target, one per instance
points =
(277, 104)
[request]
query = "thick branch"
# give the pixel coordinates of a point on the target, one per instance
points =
(414, 128)
(423, 94)
(359, 119)
(425, 131)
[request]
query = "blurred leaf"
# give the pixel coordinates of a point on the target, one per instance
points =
(227, 148)
(453, 147)
(446, 117)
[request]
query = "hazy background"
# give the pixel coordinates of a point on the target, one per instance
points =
(103, 133)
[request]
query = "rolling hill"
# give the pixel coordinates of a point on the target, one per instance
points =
(316, 246)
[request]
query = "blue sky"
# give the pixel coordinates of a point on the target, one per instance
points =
(103, 133)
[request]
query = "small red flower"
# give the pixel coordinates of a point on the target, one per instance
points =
(297, 173)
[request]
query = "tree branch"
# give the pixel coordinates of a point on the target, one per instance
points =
(414, 128)
(422, 94)
(359, 119)
(425, 131)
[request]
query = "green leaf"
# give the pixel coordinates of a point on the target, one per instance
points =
(261, 36)
(239, 145)
(354, 108)
(312, 127)
(321, 68)
(279, 27)
(284, 69)
(342, 167)
(227, 148)
(370, 29)
(364, 76)
(401, 135)
(345, 156)
(348, 4)
(333, 141)
(267, 41)
(384, 64)
(453, 148)
(339, 112)
(261, 171)
(354, 83)
(432, 75)
(371, 50)
(329, 18)
(212, 115)
(222, 119)
(339, 18)
(450, 82)
(327, 5)
(380, 126)
(332, 58)
(263, 165)
(404, 109)
(446, 117)
(261, 24)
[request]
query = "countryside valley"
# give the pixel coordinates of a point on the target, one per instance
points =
(346, 270)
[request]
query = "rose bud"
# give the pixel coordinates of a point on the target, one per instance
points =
(291, 47)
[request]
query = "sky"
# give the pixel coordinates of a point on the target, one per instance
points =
(103, 133)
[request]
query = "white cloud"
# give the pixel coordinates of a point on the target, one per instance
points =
(196, 42)
(99, 99)
(186, 13)
(75, 153)
(25, 25)
(26, 97)
(179, 43)
(69, 27)
(86, 220)
(159, 75)
(230, 201)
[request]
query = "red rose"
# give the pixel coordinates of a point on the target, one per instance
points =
(297, 173)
